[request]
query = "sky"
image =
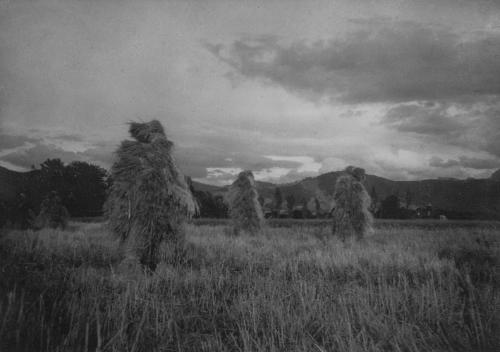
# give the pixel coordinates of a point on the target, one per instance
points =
(407, 90)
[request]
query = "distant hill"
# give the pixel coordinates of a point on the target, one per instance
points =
(265, 188)
(495, 175)
(472, 198)
(215, 190)
(476, 198)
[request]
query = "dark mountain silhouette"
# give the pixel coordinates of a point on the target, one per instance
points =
(470, 198)
(215, 190)
(496, 175)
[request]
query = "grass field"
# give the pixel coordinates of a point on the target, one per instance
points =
(407, 288)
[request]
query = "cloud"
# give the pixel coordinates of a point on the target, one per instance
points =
(398, 92)
(214, 160)
(220, 176)
(479, 163)
(224, 154)
(227, 175)
(382, 61)
(427, 120)
(466, 162)
(472, 126)
(438, 162)
(275, 174)
(36, 153)
(70, 138)
(487, 129)
(333, 164)
(307, 164)
(268, 168)
(8, 141)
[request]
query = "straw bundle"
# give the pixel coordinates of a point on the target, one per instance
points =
(244, 207)
(149, 199)
(351, 216)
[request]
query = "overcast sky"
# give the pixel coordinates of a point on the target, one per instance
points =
(288, 89)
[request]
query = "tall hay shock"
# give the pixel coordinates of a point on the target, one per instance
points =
(244, 207)
(149, 200)
(351, 216)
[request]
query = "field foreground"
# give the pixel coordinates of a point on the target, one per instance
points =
(290, 289)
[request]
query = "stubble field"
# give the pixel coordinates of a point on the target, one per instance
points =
(407, 288)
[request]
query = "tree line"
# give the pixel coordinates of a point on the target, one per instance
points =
(81, 187)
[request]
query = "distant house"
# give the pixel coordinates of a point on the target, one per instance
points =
(275, 214)
(301, 212)
(283, 213)
(269, 213)
(424, 212)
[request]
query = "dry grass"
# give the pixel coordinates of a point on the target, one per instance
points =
(290, 289)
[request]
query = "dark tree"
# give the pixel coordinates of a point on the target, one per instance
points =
(52, 177)
(3, 214)
(374, 197)
(86, 190)
(278, 198)
(306, 214)
(261, 201)
(22, 213)
(210, 206)
(53, 213)
(221, 208)
(390, 208)
(317, 204)
(81, 186)
(290, 200)
(408, 198)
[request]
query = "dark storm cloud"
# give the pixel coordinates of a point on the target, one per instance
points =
(478, 163)
(86, 68)
(439, 162)
(467, 162)
(36, 155)
(472, 126)
(385, 61)
(40, 152)
(482, 131)
(12, 141)
(428, 173)
(69, 137)
(427, 120)
(192, 161)
(103, 155)
(488, 127)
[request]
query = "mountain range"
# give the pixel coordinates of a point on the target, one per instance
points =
(471, 198)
